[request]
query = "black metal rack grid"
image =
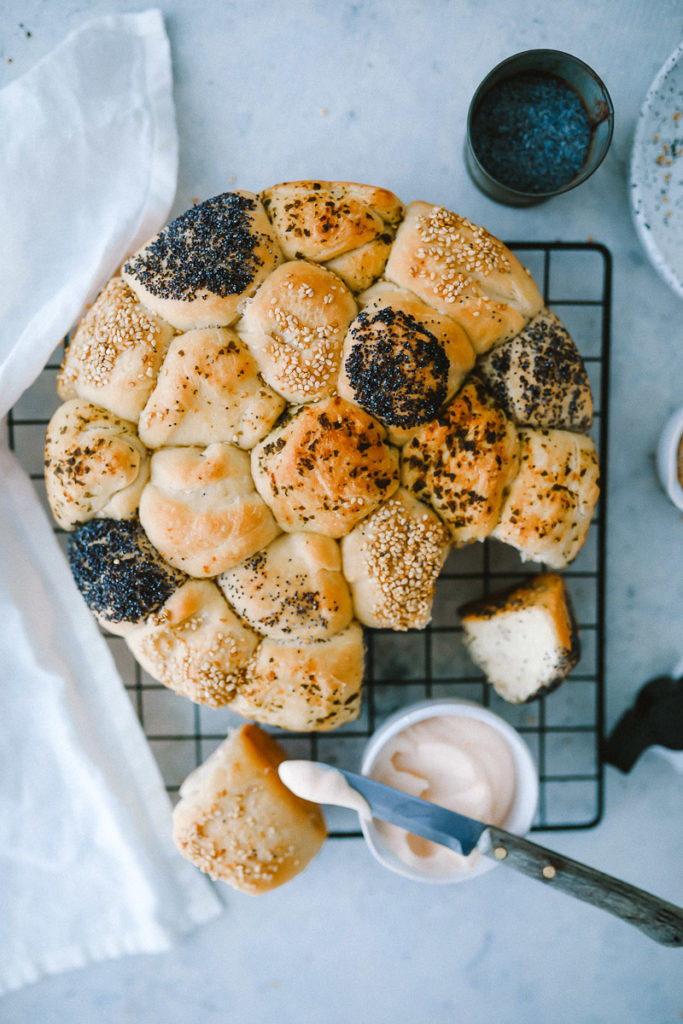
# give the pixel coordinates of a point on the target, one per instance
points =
(563, 730)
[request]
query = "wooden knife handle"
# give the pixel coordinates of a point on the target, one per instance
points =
(662, 921)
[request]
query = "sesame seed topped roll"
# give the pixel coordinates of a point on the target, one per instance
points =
(550, 504)
(392, 560)
(293, 589)
(325, 468)
(294, 327)
(462, 462)
(209, 389)
(95, 464)
(419, 355)
(195, 645)
(237, 821)
(198, 270)
(457, 266)
(114, 357)
(201, 511)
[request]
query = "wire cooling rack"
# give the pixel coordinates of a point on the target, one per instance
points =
(562, 730)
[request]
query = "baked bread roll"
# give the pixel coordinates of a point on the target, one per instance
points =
(305, 687)
(198, 270)
(349, 227)
(293, 589)
(462, 462)
(525, 638)
(419, 355)
(392, 559)
(200, 509)
(539, 378)
(325, 469)
(550, 504)
(209, 389)
(95, 464)
(463, 271)
(239, 823)
(294, 327)
(122, 577)
(116, 353)
(195, 645)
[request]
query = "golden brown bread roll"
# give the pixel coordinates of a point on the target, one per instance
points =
(462, 462)
(402, 360)
(538, 377)
(195, 645)
(209, 389)
(392, 559)
(331, 221)
(200, 509)
(239, 823)
(525, 638)
(305, 687)
(95, 464)
(114, 356)
(551, 501)
(198, 270)
(294, 327)
(325, 468)
(463, 271)
(293, 589)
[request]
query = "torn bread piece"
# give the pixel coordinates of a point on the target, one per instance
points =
(237, 821)
(524, 638)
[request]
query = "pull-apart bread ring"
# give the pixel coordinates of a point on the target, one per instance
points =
(95, 464)
(282, 413)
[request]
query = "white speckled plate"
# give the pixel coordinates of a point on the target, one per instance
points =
(657, 172)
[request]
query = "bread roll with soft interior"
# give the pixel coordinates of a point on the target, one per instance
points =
(209, 389)
(115, 354)
(402, 360)
(237, 821)
(305, 686)
(539, 378)
(550, 504)
(294, 327)
(325, 468)
(525, 638)
(195, 645)
(201, 511)
(198, 270)
(95, 464)
(122, 577)
(447, 260)
(293, 589)
(392, 559)
(462, 462)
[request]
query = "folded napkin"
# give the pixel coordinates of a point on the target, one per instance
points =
(88, 869)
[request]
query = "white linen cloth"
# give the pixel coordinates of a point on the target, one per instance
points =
(88, 868)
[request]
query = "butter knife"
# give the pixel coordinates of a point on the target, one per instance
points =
(660, 920)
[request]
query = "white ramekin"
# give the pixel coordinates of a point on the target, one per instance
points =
(667, 453)
(524, 803)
